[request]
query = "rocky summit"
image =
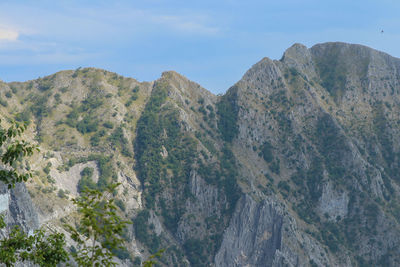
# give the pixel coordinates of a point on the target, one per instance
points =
(297, 164)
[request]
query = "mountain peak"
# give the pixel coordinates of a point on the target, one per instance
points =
(181, 88)
(298, 56)
(171, 73)
(296, 49)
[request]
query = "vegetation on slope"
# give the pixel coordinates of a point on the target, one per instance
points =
(167, 156)
(227, 111)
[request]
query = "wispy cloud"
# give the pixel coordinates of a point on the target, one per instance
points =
(139, 21)
(185, 24)
(83, 24)
(8, 34)
(51, 57)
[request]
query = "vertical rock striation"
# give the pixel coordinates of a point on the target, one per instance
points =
(17, 206)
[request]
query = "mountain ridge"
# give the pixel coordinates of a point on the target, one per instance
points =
(295, 165)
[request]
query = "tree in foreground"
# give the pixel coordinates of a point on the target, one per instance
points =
(40, 248)
(14, 150)
(99, 230)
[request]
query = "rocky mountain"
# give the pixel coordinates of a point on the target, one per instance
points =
(297, 164)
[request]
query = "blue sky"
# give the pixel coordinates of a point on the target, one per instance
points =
(211, 42)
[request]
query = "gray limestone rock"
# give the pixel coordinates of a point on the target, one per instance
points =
(17, 206)
(254, 235)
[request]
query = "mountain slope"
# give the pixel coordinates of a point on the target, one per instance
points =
(324, 121)
(296, 165)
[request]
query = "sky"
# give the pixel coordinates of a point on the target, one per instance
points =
(211, 42)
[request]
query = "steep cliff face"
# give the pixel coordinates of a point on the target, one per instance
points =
(17, 208)
(308, 128)
(296, 165)
(253, 236)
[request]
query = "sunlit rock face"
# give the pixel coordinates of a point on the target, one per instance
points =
(16, 206)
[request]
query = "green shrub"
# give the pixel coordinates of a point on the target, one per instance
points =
(227, 111)
(275, 167)
(50, 179)
(122, 253)
(24, 116)
(95, 140)
(87, 171)
(39, 106)
(45, 84)
(118, 140)
(62, 194)
(283, 185)
(108, 125)
(92, 102)
(266, 151)
(46, 169)
(196, 251)
(120, 204)
(87, 125)
(57, 97)
(3, 102)
(141, 225)
(86, 180)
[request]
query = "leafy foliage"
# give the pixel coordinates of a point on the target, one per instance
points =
(95, 138)
(229, 177)
(100, 228)
(87, 125)
(39, 106)
(227, 110)
(86, 109)
(266, 151)
(159, 127)
(14, 149)
(118, 140)
(104, 163)
(332, 146)
(24, 116)
(45, 84)
(86, 180)
(151, 240)
(40, 248)
(133, 97)
(196, 251)
(3, 102)
(150, 261)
